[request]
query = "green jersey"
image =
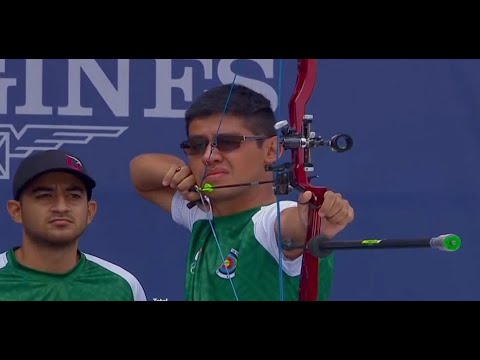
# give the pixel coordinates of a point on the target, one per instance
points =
(91, 279)
(244, 265)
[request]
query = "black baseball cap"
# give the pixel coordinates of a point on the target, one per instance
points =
(43, 162)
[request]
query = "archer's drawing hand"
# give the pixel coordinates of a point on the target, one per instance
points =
(335, 212)
(181, 178)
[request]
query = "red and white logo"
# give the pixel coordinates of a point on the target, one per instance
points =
(74, 163)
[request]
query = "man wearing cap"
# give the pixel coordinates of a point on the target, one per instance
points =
(52, 193)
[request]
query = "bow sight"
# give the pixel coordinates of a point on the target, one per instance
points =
(292, 140)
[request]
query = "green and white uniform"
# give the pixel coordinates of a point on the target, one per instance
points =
(248, 243)
(91, 279)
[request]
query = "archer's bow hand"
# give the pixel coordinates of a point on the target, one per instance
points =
(335, 212)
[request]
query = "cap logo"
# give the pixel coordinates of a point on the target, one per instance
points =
(73, 162)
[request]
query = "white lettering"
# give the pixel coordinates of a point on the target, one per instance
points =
(226, 75)
(117, 99)
(4, 85)
(165, 83)
(172, 92)
(34, 90)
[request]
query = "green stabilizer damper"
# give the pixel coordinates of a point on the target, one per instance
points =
(447, 242)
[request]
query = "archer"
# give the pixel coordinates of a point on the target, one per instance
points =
(234, 252)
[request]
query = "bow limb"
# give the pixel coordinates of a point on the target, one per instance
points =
(302, 163)
(298, 137)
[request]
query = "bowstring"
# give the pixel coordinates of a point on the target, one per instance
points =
(204, 198)
(280, 237)
(212, 227)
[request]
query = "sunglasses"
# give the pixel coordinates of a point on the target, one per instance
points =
(223, 142)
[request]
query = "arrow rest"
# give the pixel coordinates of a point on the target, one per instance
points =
(283, 178)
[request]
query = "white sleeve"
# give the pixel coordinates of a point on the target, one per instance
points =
(138, 291)
(184, 216)
(135, 285)
(264, 222)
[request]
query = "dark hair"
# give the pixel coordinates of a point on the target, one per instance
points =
(252, 107)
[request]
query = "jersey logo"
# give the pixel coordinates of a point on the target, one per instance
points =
(227, 269)
(194, 263)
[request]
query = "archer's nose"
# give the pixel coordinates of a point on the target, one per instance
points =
(211, 154)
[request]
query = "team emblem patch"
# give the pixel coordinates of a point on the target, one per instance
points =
(195, 260)
(227, 269)
(73, 162)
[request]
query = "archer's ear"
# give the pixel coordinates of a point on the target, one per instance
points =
(92, 210)
(271, 150)
(14, 208)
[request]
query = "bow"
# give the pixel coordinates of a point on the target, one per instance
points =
(297, 136)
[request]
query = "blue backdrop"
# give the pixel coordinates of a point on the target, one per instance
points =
(413, 171)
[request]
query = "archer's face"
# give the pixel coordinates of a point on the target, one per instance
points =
(53, 209)
(231, 162)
